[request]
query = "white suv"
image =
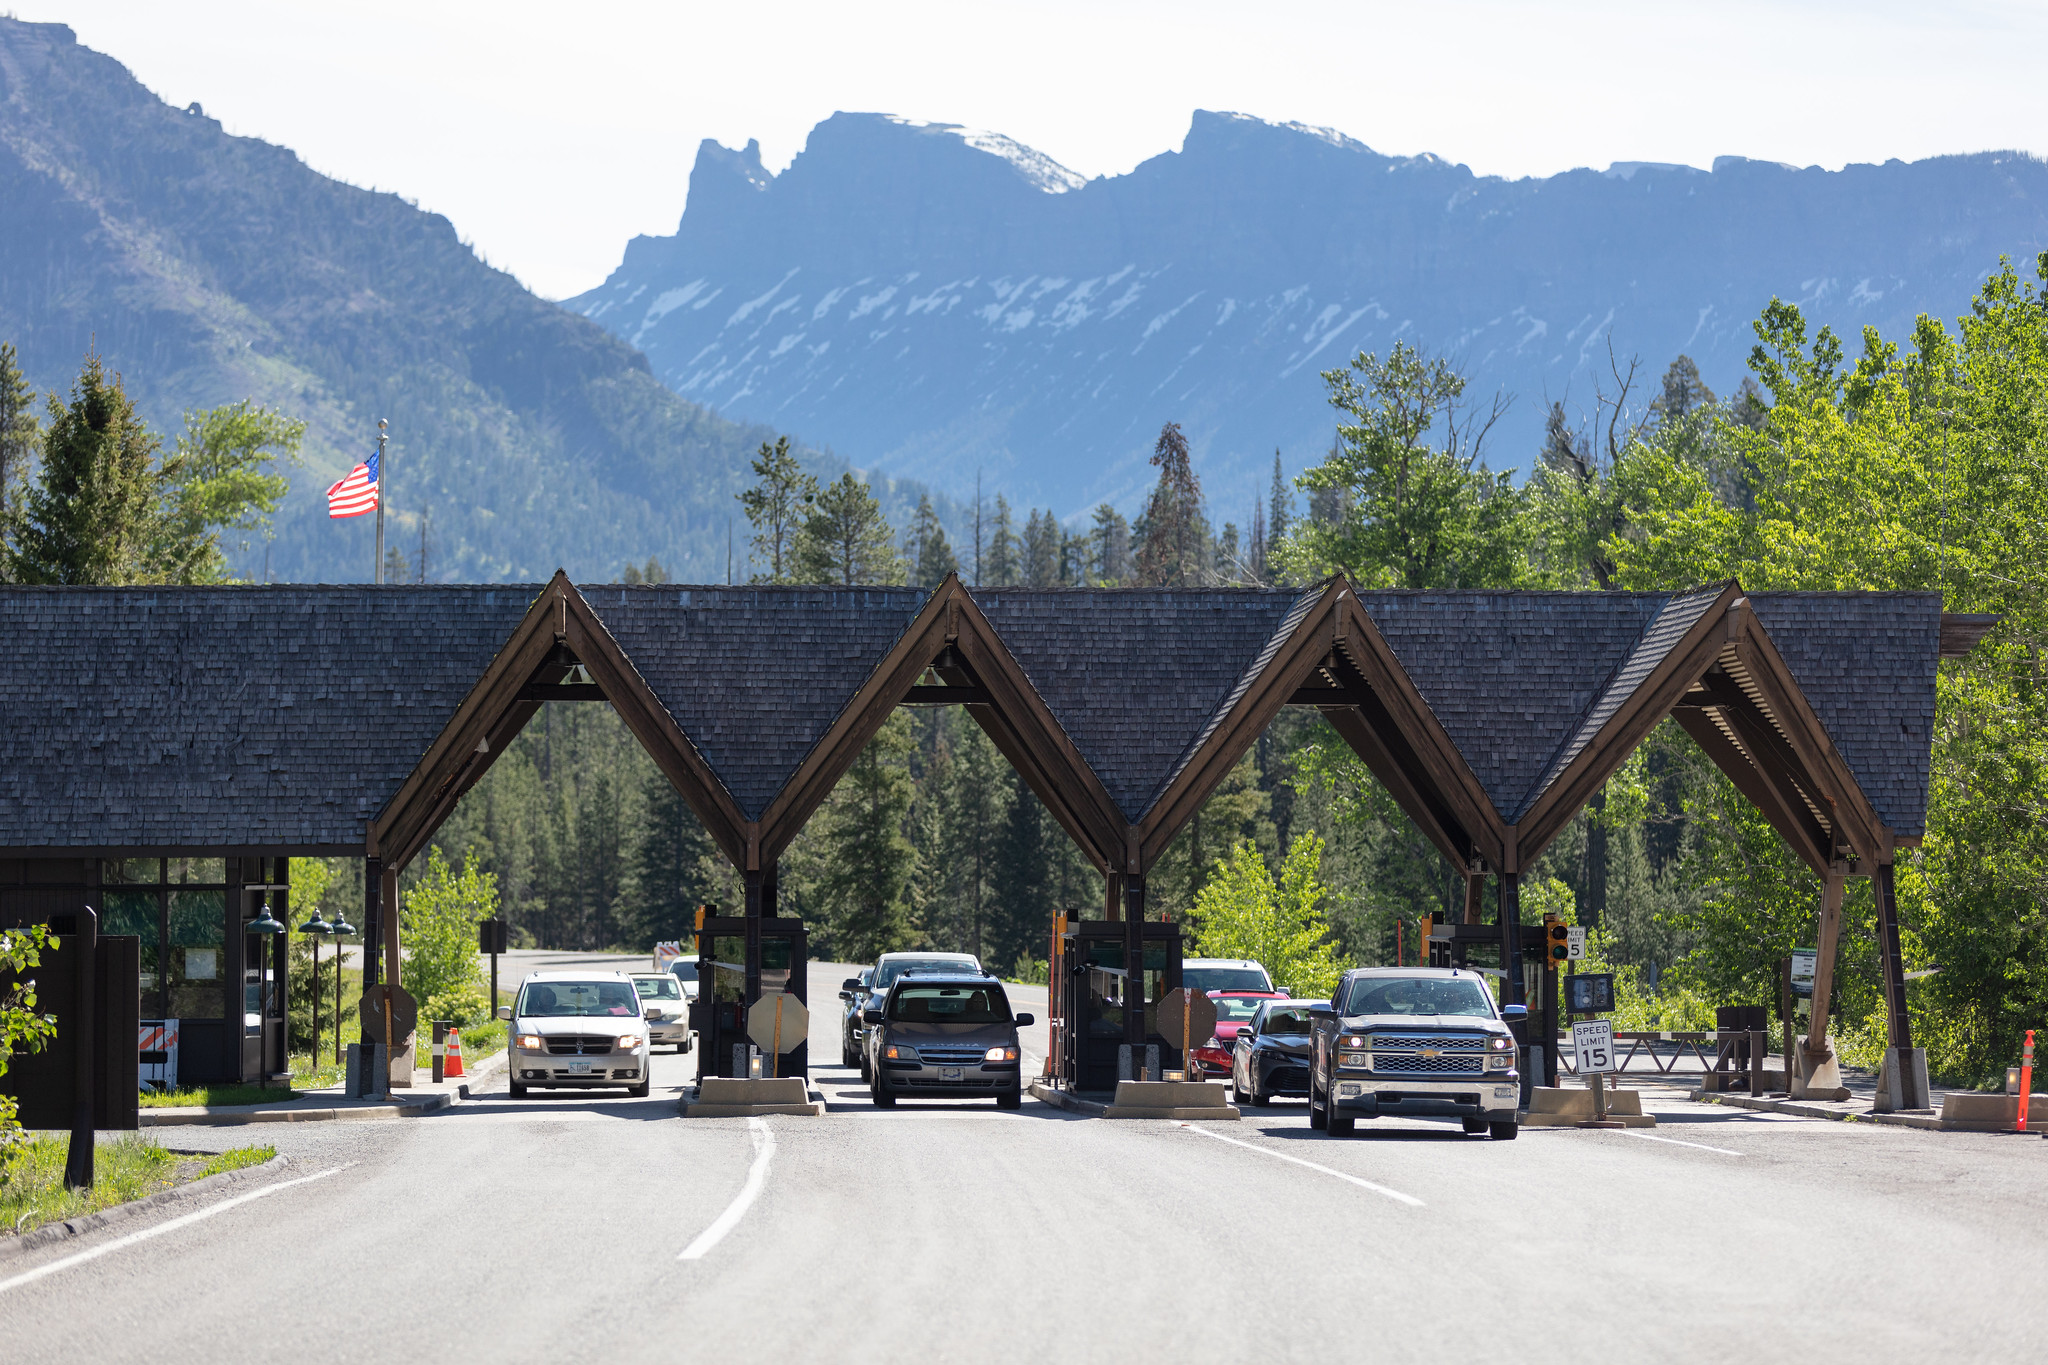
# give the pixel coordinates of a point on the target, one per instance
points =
(578, 1029)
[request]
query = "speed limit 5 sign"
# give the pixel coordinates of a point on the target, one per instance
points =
(1594, 1044)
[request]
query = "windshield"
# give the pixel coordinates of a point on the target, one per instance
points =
(1232, 1008)
(950, 1005)
(684, 970)
(658, 987)
(1287, 1023)
(1225, 979)
(558, 999)
(961, 966)
(1409, 995)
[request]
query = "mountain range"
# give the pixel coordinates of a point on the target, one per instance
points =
(937, 301)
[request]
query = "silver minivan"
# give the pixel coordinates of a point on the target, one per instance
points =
(578, 1029)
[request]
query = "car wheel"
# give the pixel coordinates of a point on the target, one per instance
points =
(1260, 1098)
(846, 1056)
(1340, 1124)
(1237, 1095)
(642, 1090)
(1010, 1099)
(866, 1074)
(1475, 1125)
(883, 1099)
(517, 1090)
(1318, 1114)
(1504, 1131)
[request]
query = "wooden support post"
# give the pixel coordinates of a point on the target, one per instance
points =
(1113, 884)
(390, 901)
(1475, 892)
(1511, 992)
(1134, 968)
(1832, 888)
(1898, 1024)
(373, 926)
(754, 879)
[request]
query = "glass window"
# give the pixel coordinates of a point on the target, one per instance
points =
(563, 999)
(1286, 1023)
(138, 913)
(1420, 996)
(658, 987)
(951, 962)
(1232, 1008)
(1225, 979)
(131, 871)
(195, 972)
(683, 969)
(950, 1005)
(197, 871)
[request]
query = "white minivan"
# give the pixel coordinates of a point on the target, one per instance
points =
(578, 1029)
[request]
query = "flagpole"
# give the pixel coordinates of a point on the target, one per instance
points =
(380, 501)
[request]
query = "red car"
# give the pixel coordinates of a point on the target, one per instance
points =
(1234, 1009)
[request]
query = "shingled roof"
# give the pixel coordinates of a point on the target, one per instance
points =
(1137, 677)
(234, 716)
(1866, 664)
(754, 676)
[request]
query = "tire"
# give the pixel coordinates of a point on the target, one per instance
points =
(846, 1057)
(1237, 1096)
(1475, 1125)
(1318, 1114)
(1340, 1125)
(642, 1090)
(1010, 1099)
(865, 1074)
(1260, 1099)
(517, 1090)
(1504, 1131)
(883, 1099)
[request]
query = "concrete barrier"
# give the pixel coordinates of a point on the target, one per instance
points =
(732, 1097)
(1170, 1100)
(1561, 1108)
(1965, 1111)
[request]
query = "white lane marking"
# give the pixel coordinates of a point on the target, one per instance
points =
(1407, 1199)
(94, 1253)
(757, 1175)
(1678, 1142)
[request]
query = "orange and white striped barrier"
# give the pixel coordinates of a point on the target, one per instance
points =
(2026, 1084)
(453, 1060)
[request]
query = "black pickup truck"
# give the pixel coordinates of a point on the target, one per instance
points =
(1412, 1041)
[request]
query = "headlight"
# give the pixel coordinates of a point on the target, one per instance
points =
(1500, 1045)
(532, 1042)
(1500, 1061)
(1000, 1054)
(1356, 1042)
(1354, 1059)
(628, 1042)
(900, 1052)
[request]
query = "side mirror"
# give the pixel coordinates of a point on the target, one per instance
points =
(1026, 1020)
(871, 1016)
(505, 1013)
(850, 985)
(1283, 993)
(652, 1014)
(1514, 1012)
(846, 995)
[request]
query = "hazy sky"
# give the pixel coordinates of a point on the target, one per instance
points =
(552, 133)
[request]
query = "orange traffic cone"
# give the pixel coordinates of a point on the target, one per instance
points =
(454, 1056)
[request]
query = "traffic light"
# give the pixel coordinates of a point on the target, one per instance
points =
(1557, 940)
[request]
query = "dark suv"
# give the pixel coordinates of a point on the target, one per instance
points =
(947, 1036)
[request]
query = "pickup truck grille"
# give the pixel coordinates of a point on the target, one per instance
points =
(580, 1044)
(1403, 1054)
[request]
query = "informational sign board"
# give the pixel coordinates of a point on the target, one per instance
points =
(1594, 1044)
(1804, 961)
(1575, 944)
(778, 1022)
(1198, 1012)
(1589, 993)
(665, 955)
(405, 1013)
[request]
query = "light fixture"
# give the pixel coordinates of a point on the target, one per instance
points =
(316, 926)
(265, 922)
(341, 928)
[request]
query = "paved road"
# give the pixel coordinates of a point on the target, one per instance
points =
(549, 1229)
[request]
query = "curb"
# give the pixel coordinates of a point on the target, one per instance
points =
(1095, 1109)
(236, 1115)
(1060, 1099)
(51, 1233)
(1806, 1110)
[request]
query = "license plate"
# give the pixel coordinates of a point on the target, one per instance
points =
(949, 1073)
(579, 1068)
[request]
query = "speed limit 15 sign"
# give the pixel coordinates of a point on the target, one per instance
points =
(1594, 1044)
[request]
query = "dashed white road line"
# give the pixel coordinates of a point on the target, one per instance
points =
(1679, 1142)
(1395, 1195)
(94, 1253)
(757, 1176)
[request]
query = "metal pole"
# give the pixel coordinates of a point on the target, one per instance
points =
(78, 1165)
(316, 1006)
(380, 500)
(339, 950)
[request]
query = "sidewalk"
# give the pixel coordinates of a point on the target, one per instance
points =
(329, 1105)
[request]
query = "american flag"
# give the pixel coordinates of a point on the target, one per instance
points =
(356, 493)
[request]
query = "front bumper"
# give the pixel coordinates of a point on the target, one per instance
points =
(938, 1078)
(670, 1031)
(1283, 1074)
(1493, 1096)
(545, 1069)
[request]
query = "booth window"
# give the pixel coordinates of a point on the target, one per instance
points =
(195, 973)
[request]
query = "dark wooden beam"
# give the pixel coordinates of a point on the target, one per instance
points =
(927, 695)
(1961, 630)
(1849, 810)
(1330, 696)
(562, 692)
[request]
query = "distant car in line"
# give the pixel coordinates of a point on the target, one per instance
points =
(666, 1007)
(578, 1029)
(1271, 1053)
(887, 968)
(854, 992)
(944, 1036)
(684, 970)
(1210, 974)
(1234, 1009)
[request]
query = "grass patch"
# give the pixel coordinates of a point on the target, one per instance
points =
(215, 1094)
(235, 1159)
(478, 1042)
(32, 1189)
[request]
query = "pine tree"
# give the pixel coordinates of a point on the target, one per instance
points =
(1255, 547)
(1003, 568)
(90, 517)
(1110, 547)
(1024, 881)
(20, 437)
(776, 506)
(1280, 516)
(845, 539)
(926, 548)
(1682, 391)
(1174, 550)
(1041, 550)
(864, 889)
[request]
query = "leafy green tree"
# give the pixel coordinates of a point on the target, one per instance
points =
(926, 547)
(1174, 551)
(437, 923)
(217, 479)
(90, 517)
(776, 507)
(1244, 911)
(1410, 504)
(845, 539)
(23, 1028)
